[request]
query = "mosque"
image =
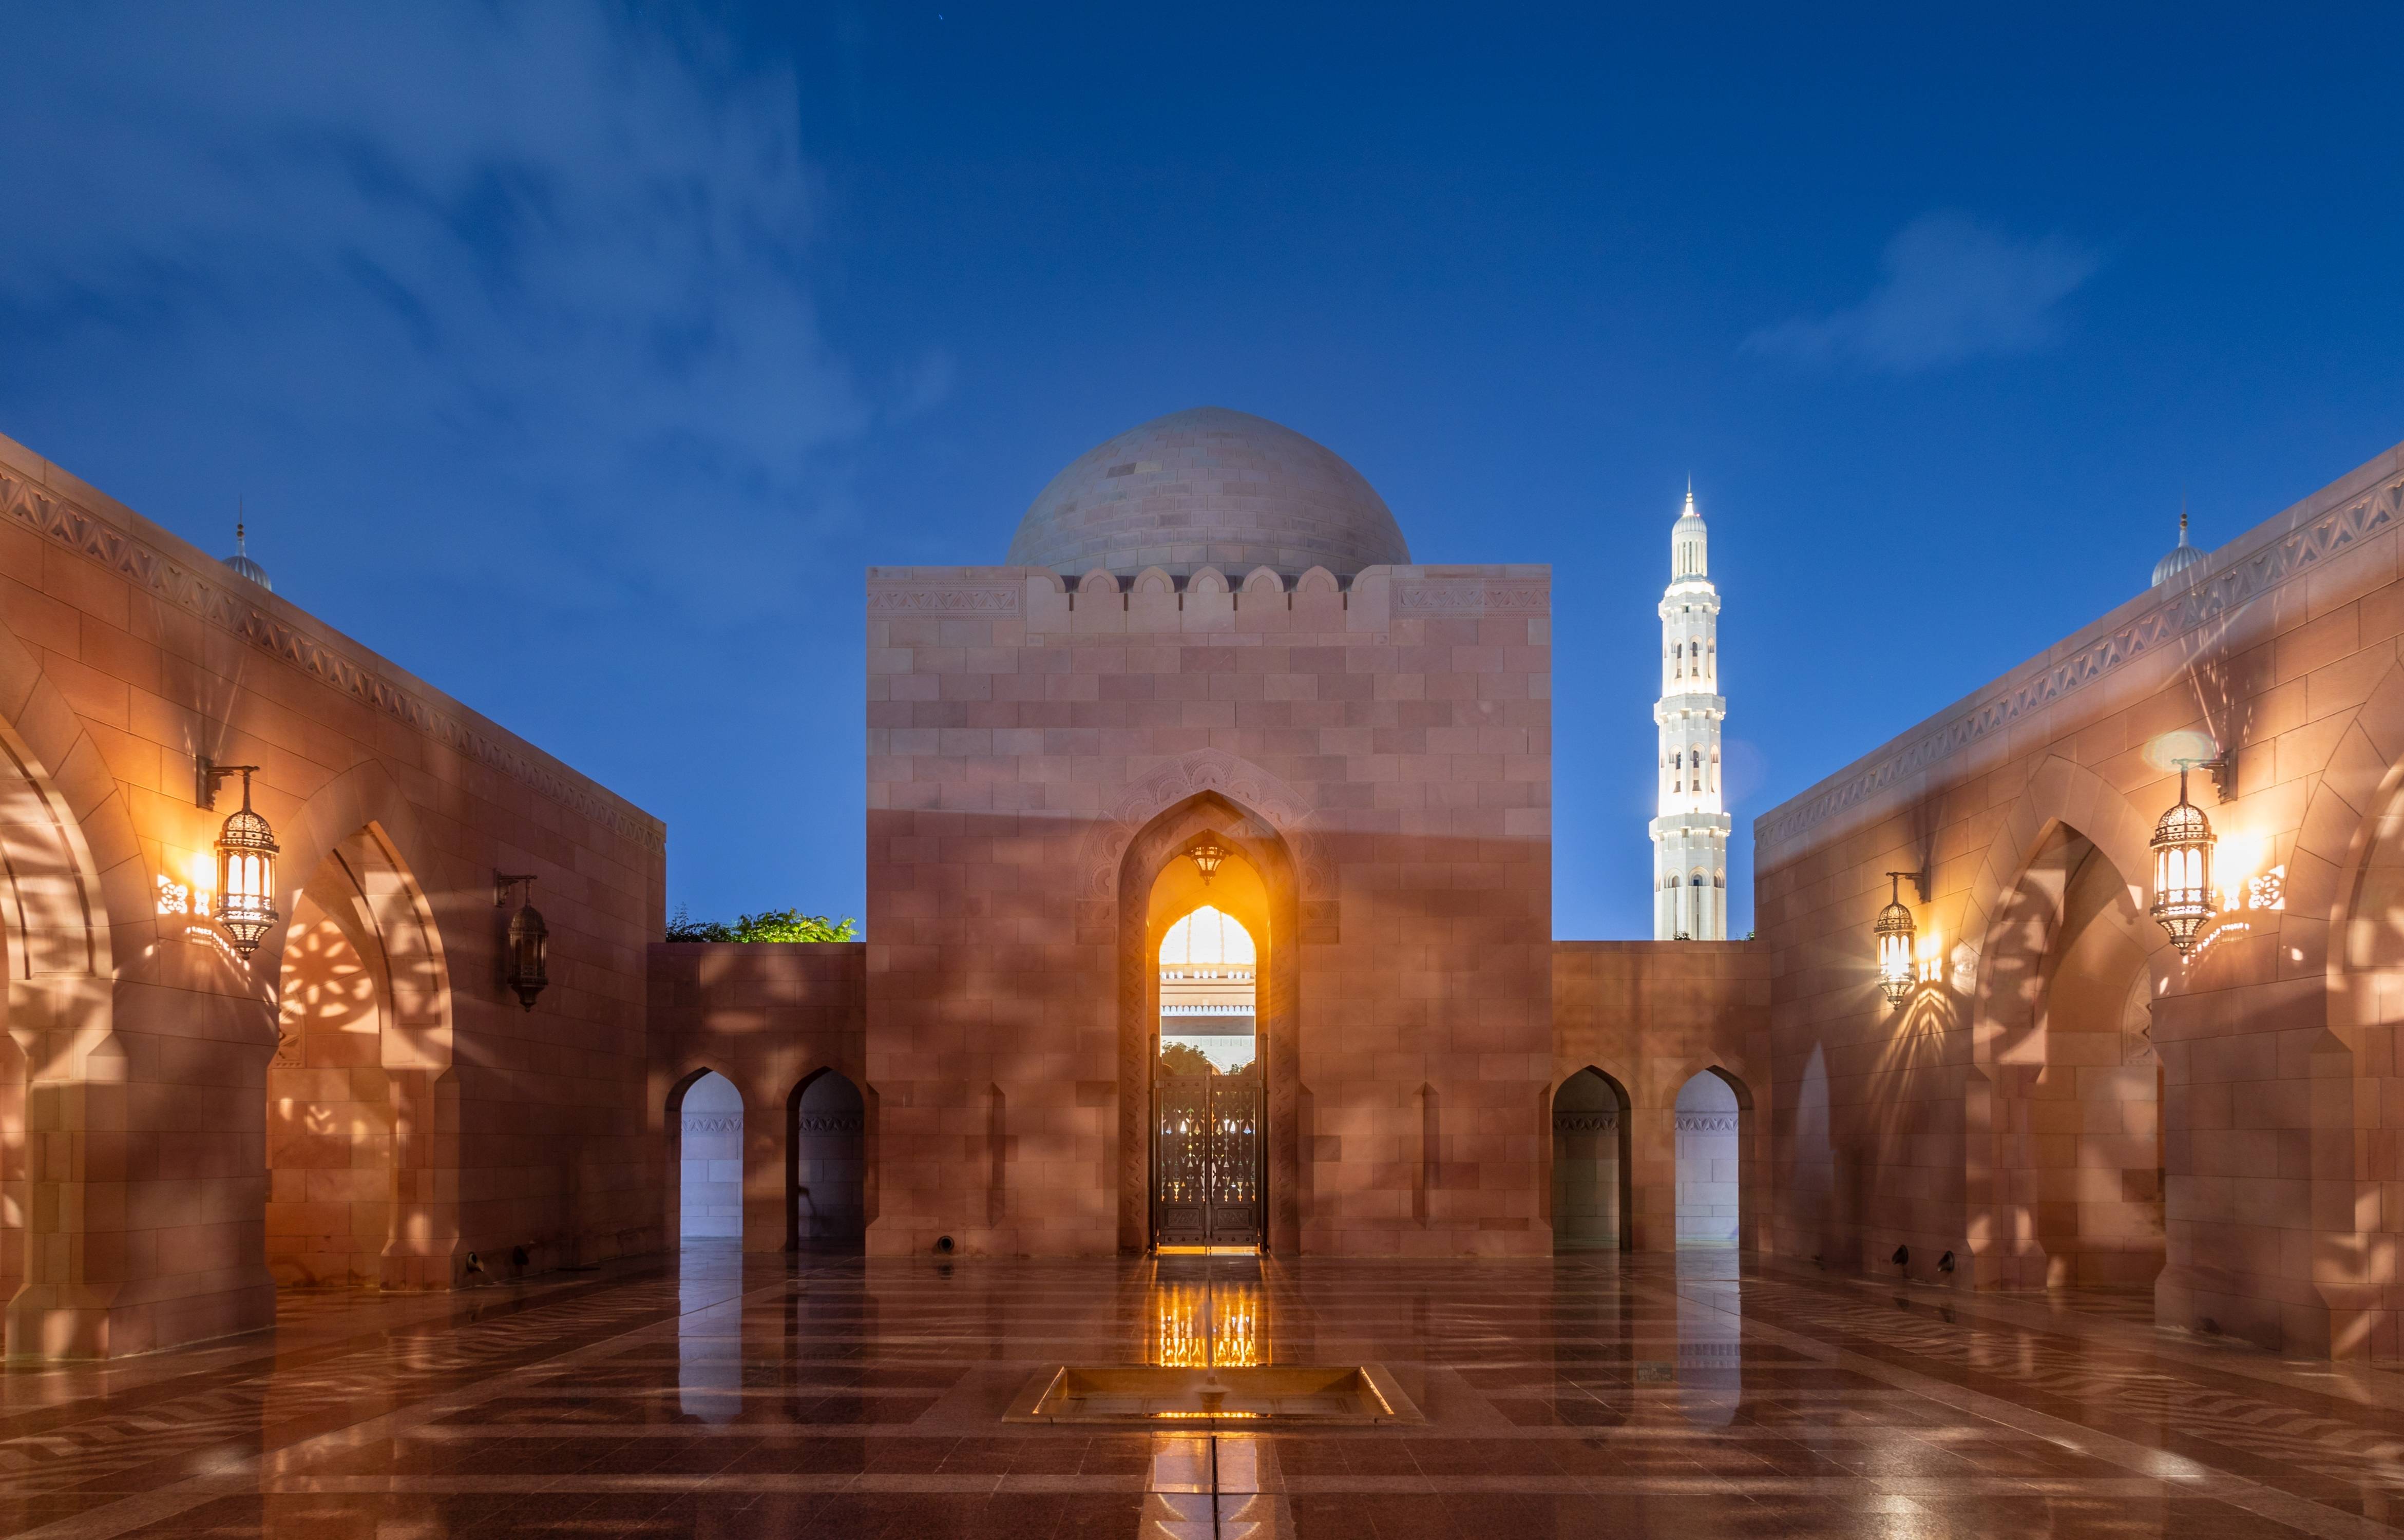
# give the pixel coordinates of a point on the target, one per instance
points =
(1209, 906)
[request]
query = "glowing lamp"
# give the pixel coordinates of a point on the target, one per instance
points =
(2183, 842)
(524, 963)
(1207, 856)
(1894, 931)
(246, 849)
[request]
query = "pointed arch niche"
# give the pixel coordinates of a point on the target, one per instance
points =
(1256, 885)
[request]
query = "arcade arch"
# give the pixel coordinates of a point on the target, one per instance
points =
(2073, 1135)
(710, 1160)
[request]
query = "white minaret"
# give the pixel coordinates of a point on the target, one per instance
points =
(1690, 839)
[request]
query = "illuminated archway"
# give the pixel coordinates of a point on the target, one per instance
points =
(1158, 885)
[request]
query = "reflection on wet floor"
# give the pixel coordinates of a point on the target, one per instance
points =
(728, 1395)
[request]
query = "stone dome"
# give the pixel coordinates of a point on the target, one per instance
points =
(1208, 486)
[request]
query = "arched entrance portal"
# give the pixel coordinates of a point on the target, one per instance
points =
(1252, 879)
(826, 1192)
(709, 1161)
(1209, 1113)
(1591, 1163)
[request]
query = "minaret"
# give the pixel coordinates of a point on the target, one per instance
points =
(1690, 837)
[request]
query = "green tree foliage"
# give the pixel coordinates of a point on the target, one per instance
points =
(769, 925)
(1184, 1058)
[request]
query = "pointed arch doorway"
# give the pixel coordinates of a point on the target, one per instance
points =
(1210, 1063)
(1209, 1115)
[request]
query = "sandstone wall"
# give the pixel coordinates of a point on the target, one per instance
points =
(1989, 1117)
(134, 1193)
(1382, 754)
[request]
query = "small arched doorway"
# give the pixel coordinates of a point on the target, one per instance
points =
(826, 1187)
(1590, 1165)
(1710, 1149)
(709, 1169)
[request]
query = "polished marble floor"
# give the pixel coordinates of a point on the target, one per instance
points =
(720, 1395)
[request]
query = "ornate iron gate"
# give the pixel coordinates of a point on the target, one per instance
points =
(1205, 1160)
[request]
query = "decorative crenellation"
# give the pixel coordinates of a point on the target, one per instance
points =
(1473, 596)
(2178, 616)
(126, 556)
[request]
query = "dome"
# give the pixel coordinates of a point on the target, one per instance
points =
(1208, 486)
(243, 566)
(2181, 557)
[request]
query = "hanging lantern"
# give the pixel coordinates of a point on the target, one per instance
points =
(246, 847)
(1894, 936)
(2183, 842)
(524, 966)
(1207, 856)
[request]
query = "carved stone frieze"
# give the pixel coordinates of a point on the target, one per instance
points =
(164, 577)
(2180, 614)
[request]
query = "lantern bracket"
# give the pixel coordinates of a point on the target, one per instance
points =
(2223, 766)
(505, 883)
(207, 775)
(1919, 881)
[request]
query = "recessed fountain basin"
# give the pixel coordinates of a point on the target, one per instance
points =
(1360, 1394)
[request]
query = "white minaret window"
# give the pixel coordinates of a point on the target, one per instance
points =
(1690, 836)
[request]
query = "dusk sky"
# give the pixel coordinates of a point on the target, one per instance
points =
(579, 359)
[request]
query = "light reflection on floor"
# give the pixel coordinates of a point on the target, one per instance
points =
(728, 1395)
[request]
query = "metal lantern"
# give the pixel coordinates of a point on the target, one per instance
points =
(1207, 856)
(2183, 842)
(529, 940)
(1894, 936)
(246, 847)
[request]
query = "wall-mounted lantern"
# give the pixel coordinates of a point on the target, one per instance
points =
(1896, 932)
(1207, 857)
(529, 938)
(2183, 843)
(246, 847)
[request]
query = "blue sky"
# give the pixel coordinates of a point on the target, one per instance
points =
(578, 359)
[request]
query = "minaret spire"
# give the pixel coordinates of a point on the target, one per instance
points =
(1690, 836)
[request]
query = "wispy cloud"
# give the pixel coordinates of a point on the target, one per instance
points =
(555, 258)
(1952, 289)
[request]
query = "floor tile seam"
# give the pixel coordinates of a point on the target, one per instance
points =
(93, 1524)
(2262, 1501)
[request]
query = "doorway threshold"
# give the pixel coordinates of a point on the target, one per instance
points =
(1206, 1251)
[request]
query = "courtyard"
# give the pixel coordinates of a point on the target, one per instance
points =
(714, 1394)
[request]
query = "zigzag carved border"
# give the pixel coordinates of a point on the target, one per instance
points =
(97, 540)
(2179, 614)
